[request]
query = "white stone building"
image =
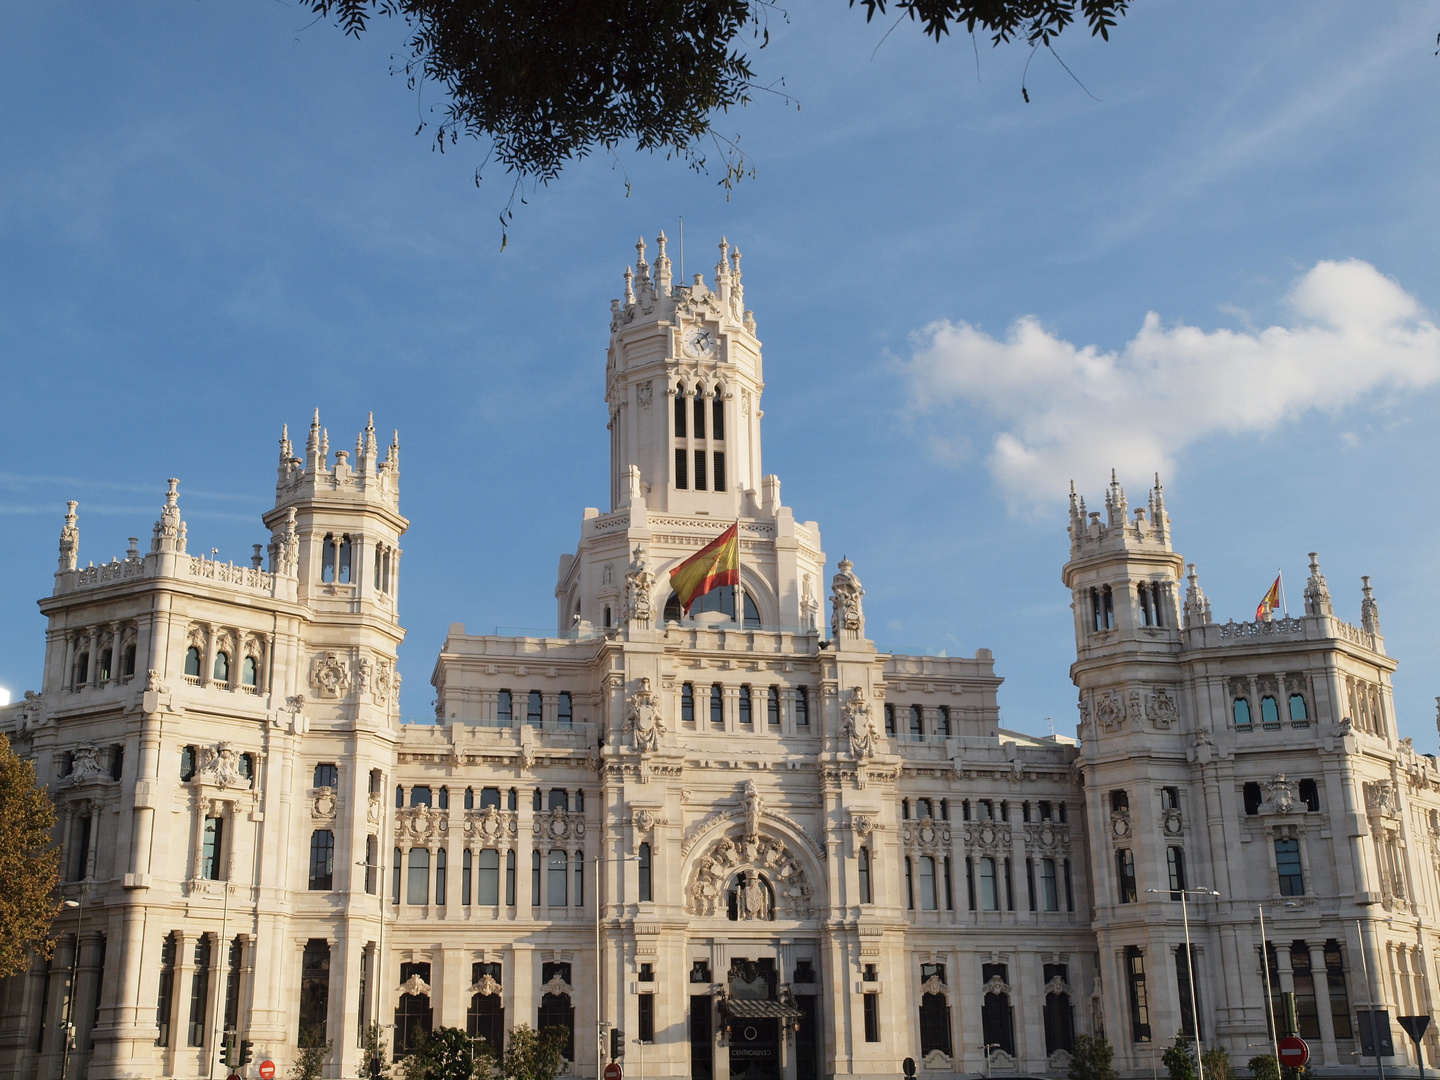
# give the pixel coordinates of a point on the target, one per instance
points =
(810, 858)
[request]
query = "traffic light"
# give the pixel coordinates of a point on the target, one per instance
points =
(617, 1044)
(247, 1051)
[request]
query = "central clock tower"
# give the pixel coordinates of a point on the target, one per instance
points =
(683, 384)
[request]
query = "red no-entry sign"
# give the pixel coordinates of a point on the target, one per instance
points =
(613, 1071)
(1294, 1052)
(267, 1070)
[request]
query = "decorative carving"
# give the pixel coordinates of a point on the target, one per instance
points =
(862, 825)
(69, 538)
(1162, 709)
(487, 987)
(987, 837)
(645, 394)
(752, 897)
(324, 805)
(938, 1061)
(1171, 821)
(754, 807)
(644, 822)
(559, 825)
(859, 726)
(375, 810)
(1047, 838)
(557, 986)
(639, 583)
(929, 834)
(1110, 710)
(935, 985)
(996, 985)
(645, 725)
(415, 985)
(421, 824)
(847, 617)
(219, 766)
(729, 858)
(85, 766)
(1280, 794)
(330, 675)
(491, 825)
(1382, 798)
(1057, 985)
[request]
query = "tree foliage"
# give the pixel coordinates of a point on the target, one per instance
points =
(1093, 1058)
(310, 1060)
(29, 864)
(533, 1055)
(549, 81)
(1217, 1064)
(447, 1053)
(375, 1049)
(1179, 1058)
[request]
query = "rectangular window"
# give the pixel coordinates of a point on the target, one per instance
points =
(1287, 866)
(970, 882)
(647, 892)
(504, 709)
(314, 992)
(212, 852)
(418, 891)
(467, 875)
(322, 860)
(943, 721)
(487, 884)
(647, 1018)
(872, 1018)
(1175, 867)
(717, 427)
(949, 886)
(746, 717)
(1049, 894)
(719, 472)
(864, 870)
(1186, 984)
(372, 864)
(510, 879)
(717, 706)
(534, 877)
(927, 884)
(1339, 1000)
(165, 997)
(1030, 878)
(997, 1016)
(687, 704)
(699, 470)
(326, 775)
(1009, 886)
(909, 883)
(440, 877)
(699, 415)
(1139, 1001)
(1307, 1012)
(534, 708)
(557, 879)
(565, 711)
(1125, 876)
(680, 415)
(199, 990)
(772, 706)
(1069, 892)
(889, 719)
(579, 879)
(989, 887)
(802, 706)
(395, 876)
(682, 472)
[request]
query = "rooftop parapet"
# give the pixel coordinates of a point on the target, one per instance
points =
(1148, 529)
(656, 297)
(368, 477)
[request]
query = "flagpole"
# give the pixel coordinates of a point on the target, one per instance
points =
(1280, 576)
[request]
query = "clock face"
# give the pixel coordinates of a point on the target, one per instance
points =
(698, 341)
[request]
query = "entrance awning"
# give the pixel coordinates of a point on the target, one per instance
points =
(741, 1009)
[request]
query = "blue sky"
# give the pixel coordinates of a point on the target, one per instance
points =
(215, 217)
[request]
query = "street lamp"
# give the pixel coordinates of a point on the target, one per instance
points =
(1269, 994)
(74, 982)
(1190, 967)
(599, 967)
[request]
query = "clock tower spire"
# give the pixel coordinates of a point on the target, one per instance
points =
(683, 384)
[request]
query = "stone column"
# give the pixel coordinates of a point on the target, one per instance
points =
(93, 675)
(180, 998)
(1318, 976)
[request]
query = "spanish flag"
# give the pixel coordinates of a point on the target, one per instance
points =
(714, 565)
(1270, 603)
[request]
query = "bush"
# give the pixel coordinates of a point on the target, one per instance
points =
(1179, 1058)
(534, 1055)
(1217, 1064)
(314, 1049)
(1264, 1067)
(374, 1047)
(1092, 1059)
(444, 1054)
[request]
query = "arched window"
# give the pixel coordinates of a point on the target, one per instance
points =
(680, 414)
(327, 559)
(672, 609)
(82, 669)
(489, 797)
(917, 722)
(538, 802)
(444, 798)
(717, 413)
(717, 706)
(749, 888)
(699, 415)
(470, 798)
(1297, 708)
(192, 661)
(418, 891)
(646, 889)
(249, 671)
(345, 560)
(399, 796)
(488, 885)
(222, 667)
(534, 708)
(1269, 710)
(127, 661)
(802, 706)
(579, 801)
(752, 614)
(512, 800)
(106, 656)
(1241, 711)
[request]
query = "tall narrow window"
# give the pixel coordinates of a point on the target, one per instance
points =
(510, 879)
(1157, 598)
(717, 427)
(718, 473)
(1049, 893)
(165, 997)
(395, 859)
(997, 1015)
(1108, 602)
(889, 719)
(345, 560)
(418, 891)
(682, 468)
(872, 1018)
(212, 853)
(249, 671)
(579, 863)
(1309, 795)
(440, 877)
(535, 877)
(864, 871)
(949, 886)
(717, 706)
(917, 722)
(327, 560)
(680, 414)
(504, 708)
(1139, 998)
(944, 721)
(1339, 1000)
(687, 703)
(1269, 711)
(1250, 794)
(746, 717)
(1146, 617)
(199, 992)
(222, 667)
(1125, 876)
(534, 707)
(81, 855)
(322, 860)
(989, 885)
(802, 706)
(487, 892)
(1298, 711)
(647, 1018)
(557, 892)
(699, 413)
(326, 775)
(192, 663)
(1307, 1007)
(772, 706)
(647, 893)
(1059, 1013)
(1287, 866)
(909, 883)
(379, 549)
(565, 710)
(928, 895)
(127, 662)
(467, 875)
(699, 470)
(314, 992)
(1240, 711)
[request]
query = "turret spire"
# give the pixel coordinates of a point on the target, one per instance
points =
(1317, 593)
(662, 266)
(1197, 605)
(70, 537)
(1369, 609)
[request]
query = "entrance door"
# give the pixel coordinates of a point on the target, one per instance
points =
(755, 1049)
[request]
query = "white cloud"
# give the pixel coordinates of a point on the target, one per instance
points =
(1060, 411)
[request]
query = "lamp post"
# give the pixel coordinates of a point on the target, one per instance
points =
(1190, 969)
(1269, 993)
(379, 869)
(1370, 993)
(69, 1027)
(599, 967)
